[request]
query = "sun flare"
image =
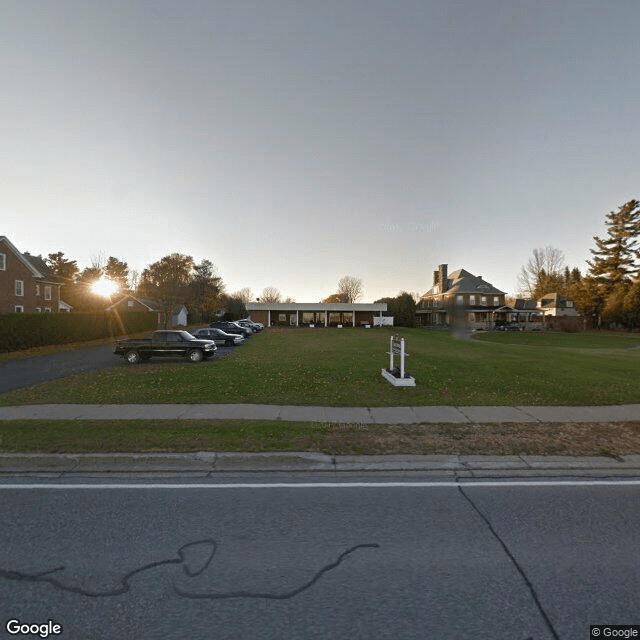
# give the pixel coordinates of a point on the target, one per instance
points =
(104, 287)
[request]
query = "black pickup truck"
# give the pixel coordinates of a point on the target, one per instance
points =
(165, 343)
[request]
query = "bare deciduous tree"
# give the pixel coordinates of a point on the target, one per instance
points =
(270, 294)
(245, 294)
(350, 289)
(542, 270)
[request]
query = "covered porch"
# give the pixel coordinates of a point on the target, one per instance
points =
(297, 314)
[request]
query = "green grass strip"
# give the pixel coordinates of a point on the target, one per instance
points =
(109, 436)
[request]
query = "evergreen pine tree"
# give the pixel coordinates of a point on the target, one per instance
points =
(616, 257)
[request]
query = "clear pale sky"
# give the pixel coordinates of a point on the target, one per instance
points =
(295, 142)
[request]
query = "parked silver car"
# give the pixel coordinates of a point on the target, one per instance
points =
(255, 326)
(220, 337)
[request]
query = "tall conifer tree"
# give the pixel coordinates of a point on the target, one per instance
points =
(615, 259)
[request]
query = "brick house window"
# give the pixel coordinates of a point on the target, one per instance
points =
(19, 309)
(38, 290)
(484, 301)
(47, 293)
(3, 261)
(459, 299)
(19, 288)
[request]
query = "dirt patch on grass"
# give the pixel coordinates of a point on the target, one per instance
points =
(570, 439)
(75, 436)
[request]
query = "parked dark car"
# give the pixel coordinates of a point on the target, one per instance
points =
(508, 326)
(231, 327)
(220, 337)
(164, 344)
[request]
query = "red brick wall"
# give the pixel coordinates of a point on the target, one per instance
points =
(31, 301)
(16, 270)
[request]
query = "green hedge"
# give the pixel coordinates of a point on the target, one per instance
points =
(24, 330)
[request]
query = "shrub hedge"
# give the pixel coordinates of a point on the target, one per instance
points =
(24, 330)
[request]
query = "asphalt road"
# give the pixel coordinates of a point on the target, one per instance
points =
(497, 561)
(26, 372)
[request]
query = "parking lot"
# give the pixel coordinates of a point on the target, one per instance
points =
(26, 372)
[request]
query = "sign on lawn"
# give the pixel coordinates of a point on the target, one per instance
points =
(394, 374)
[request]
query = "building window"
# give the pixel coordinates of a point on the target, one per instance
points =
(130, 303)
(472, 300)
(19, 288)
(38, 290)
(47, 293)
(38, 309)
(569, 303)
(3, 261)
(47, 309)
(459, 299)
(484, 301)
(19, 309)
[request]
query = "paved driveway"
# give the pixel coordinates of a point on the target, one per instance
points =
(15, 374)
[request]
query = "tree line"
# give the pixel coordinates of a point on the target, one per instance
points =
(173, 280)
(609, 293)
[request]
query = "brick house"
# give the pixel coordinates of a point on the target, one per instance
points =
(23, 287)
(459, 297)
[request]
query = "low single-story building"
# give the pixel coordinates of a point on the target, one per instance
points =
(315, 313)
(522, 315)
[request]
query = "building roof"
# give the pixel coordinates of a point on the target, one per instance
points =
(315, 306)
(145, 302)
(522, 304)
(21, 257)
(553, 300)
(461, 281)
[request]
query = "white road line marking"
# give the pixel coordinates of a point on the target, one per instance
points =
(331, 485)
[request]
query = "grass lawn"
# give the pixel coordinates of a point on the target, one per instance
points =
(87, 436)
(342, 368)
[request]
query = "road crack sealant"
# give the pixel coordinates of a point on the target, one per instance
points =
(206, 550)
(513, 560)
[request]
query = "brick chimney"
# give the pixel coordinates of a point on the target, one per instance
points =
(442, 275)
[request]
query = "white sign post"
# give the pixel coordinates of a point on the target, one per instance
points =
(395, 376)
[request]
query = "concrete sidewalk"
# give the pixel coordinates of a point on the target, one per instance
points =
(347, 415)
